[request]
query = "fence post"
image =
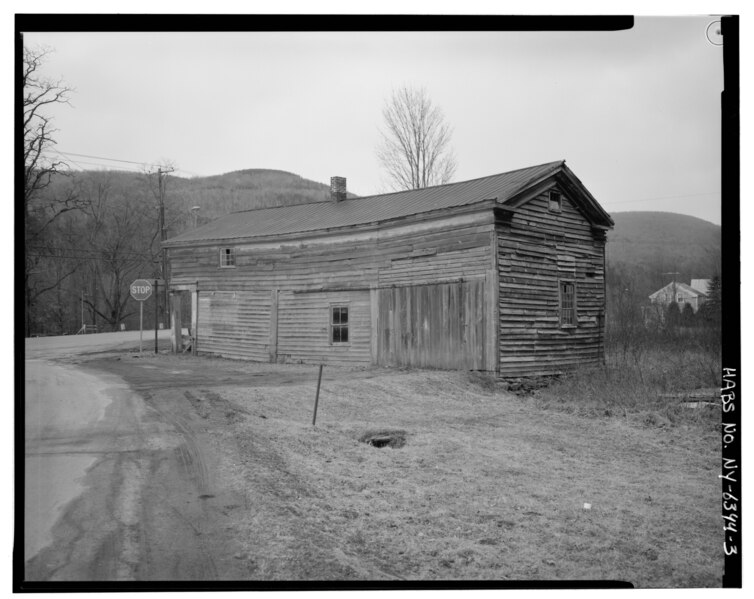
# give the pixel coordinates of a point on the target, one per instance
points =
(316, 398)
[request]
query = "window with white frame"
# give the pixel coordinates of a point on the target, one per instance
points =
(227, 257)
(338, 324)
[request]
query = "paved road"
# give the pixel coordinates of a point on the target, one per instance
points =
(68, 345)
(132, 472)
(90, 442)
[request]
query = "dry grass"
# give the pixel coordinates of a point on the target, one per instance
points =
(648, 385)
(487, 486)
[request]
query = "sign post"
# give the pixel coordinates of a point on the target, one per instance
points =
(156, 315)
(141, 290)
(157, 283)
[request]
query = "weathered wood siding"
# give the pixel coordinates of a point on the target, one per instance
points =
(309, 273)
(304, 327)
(439, 326)
(234, 324)
(538, 248)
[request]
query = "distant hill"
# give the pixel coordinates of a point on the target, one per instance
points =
(242, 190)
(644, 246)
(641, 247)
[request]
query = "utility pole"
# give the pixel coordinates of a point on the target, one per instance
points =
(163, 237)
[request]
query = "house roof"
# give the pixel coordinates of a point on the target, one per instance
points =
(687, 289)
(701, 285)
(503, 189)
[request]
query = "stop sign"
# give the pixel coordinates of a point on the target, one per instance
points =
(141, 289)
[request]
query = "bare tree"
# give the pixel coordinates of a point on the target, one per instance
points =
(118, 223)
(40, 93)
(43, 202)
(415, 149)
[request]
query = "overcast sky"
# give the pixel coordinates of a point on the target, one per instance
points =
(635, 114)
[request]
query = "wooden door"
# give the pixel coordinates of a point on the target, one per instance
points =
(439, 325)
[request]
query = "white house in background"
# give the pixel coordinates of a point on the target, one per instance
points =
(682, 294)
(701, 285)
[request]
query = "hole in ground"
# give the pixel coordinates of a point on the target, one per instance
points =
(384, 438)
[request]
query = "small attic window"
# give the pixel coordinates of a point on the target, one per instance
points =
(555, 201)
(227, 257)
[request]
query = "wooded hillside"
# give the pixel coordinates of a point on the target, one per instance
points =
(242, 190)
(87, 257)
(646, 247)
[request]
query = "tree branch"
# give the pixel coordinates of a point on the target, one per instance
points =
(415, 140)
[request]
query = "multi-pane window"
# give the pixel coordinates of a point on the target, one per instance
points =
(555, 201)
(227, 257)
(339, 324)
(567, 303)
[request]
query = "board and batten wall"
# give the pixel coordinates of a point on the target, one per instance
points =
(538, 248)
(438, 325)
(274, 305)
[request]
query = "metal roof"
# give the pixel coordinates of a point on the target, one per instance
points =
(702, 285)
(302, 218)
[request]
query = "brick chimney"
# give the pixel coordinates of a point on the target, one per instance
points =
(338, 189)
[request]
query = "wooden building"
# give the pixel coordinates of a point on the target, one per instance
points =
(503, 274)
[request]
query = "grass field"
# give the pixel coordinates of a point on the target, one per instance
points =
(488, 485)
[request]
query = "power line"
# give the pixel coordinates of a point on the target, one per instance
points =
(84, 257)
(124, 161)
(80, 162)
(110, 159)
(67, 158)
(100, 253)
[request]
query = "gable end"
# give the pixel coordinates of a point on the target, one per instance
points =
(564, 181)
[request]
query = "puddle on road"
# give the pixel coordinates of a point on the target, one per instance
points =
(51, 482)
(63, 407)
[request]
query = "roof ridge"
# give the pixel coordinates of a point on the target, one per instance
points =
(525, 168)
(392, 193)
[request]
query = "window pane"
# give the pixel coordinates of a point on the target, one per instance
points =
(567, 304)
(554, 201)
(227, 257)
(339, 324)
